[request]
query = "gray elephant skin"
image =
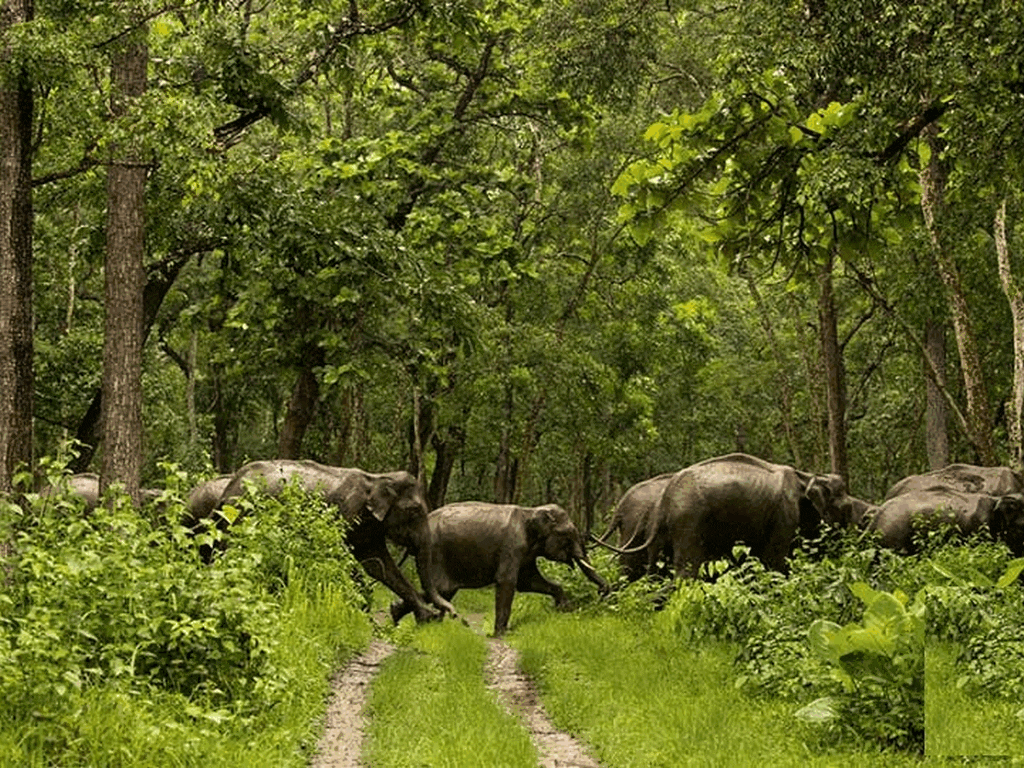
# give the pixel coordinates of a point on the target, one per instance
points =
(709, 507)
(477, 544)
(630, 518)
(995, 481)
(205, 498)
(86, 486)
(377, 507)
(969, 512)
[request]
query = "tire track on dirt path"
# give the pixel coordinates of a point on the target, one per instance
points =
(519, 696)
(341, 745)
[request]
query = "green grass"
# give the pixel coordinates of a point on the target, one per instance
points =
(959, 723)
(430, 707)
(640, 699)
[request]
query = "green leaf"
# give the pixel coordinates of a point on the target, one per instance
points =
(229, 512)
(819, 711)
(1013, 570)
(820, 636)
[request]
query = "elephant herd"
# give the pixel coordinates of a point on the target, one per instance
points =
(458, 546)
(674, 522)
(679, 520)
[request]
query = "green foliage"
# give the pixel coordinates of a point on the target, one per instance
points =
(961, 721)
(114, 608)
(641, 697)
(879, 662)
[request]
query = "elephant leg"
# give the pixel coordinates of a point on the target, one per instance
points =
(687, 561)
(381, 566)
(503, 594)
(531, 580)
(774, 556)
(401, 608)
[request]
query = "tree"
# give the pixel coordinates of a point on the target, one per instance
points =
(124, 277)
(16, 345)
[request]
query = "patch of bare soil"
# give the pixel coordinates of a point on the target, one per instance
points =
(342, 742)
(519, 696)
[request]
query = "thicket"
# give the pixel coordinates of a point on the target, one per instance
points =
(110, 619)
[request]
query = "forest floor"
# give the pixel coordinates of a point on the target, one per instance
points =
(342, 742)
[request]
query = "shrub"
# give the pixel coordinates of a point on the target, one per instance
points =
(118, 603)
(878, 664)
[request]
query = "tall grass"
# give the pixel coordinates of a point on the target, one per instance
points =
(118, 724)
(429, 706)
(118, 647)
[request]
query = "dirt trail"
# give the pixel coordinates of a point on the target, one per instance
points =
(519, 695)
(342, 742)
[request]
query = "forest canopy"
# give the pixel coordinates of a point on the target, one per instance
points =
(528, 251)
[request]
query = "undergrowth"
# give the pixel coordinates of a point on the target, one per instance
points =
(118, 646)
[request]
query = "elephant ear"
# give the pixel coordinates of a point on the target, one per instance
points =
(381, 498)
(540, 521)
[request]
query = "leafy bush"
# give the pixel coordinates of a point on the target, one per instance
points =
(879, 665)
(295, 532)
(119, 600)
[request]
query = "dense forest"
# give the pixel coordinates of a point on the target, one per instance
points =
(530, 251)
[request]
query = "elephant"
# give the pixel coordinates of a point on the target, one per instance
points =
(377, 507)
(205, 498)
(995, 481)
(630, 518)
(709, 507)
(476, 544)
(1004, 516)
(86, 486)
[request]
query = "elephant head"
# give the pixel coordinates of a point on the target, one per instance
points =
(825, 500)
(553, 535)
(396, 500)
(1006, 522)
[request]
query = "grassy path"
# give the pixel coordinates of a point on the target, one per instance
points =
(629, 697)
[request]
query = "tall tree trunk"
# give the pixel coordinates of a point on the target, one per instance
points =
(979, 418)
(223, 459)
(818, 437)
(16, 347)
(835, 375)
(1015, 296)
(160, 279)
(935, 433)
(505, 469)
(125, 281)
(301, 408)
(447, 451)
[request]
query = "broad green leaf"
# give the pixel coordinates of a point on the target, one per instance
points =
(819, 711)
